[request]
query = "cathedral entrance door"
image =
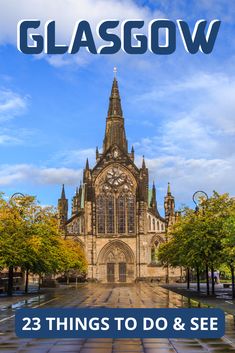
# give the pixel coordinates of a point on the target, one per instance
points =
(110, 272)
(122, 272)
(116, 263)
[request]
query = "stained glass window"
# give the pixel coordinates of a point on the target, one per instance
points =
(110, 214)
(101, 214)
(131, 214)
(115, 207)
(121, 217)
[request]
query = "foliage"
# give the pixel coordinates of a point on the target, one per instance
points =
(30, 238)
(203, 238)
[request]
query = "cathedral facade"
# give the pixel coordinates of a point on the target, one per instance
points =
(114, 212)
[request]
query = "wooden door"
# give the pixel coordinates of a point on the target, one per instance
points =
(122, 272)
(110, 272)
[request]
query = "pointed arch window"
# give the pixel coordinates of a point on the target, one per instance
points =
(153, 223)
(116, 203)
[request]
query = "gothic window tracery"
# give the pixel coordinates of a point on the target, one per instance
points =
(115, 203)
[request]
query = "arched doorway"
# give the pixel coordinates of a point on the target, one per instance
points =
(116, 263)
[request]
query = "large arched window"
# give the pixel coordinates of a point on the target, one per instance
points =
(115, 204)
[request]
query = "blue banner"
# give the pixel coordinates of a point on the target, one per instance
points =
(119, 323)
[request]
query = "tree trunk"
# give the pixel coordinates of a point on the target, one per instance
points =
(198, 280)
(10, 281)
(39, 282)
(207, 281)
(212, 280)
(233, 282)
(26, 280)
(67, 278)
(188, 277)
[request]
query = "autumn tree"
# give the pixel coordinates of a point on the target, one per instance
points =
(30, 239)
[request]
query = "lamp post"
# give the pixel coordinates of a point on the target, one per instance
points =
(11, 267)
(198, 198)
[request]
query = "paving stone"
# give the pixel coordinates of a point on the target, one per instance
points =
(96, 295)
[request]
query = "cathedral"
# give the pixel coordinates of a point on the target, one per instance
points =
(114, 213)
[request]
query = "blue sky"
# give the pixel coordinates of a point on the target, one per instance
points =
(179, 109)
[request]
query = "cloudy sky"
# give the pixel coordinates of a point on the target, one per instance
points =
(179, 109)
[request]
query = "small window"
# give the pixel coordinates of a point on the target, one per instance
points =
(153, 223)
(149, 223)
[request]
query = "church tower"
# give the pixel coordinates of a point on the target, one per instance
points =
(115, 216)
(115, 131)
(62, 210)
(169, 206)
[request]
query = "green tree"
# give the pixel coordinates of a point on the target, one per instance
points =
(228, 243)
(197, 239)
(30, 239)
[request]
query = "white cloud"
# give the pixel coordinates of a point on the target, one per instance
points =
(188, 175)
(25, 173)
(11, 104)
(75, 157)
(66, 14)
(12, 136)
(194, 143)
(198, 115)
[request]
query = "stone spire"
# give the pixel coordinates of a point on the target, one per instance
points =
(169, 189)
(115, 109)
(87, 164)
(169, 205)
(62, 210)
(132, 153)
(143, 163)
(63, 197)
(115, 131)
(153, 201)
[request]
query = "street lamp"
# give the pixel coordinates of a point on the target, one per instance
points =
(17, 194)
(200, 197)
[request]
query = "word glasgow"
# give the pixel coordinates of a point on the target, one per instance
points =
(160, 38)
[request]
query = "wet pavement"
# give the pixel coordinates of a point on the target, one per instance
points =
(119, 296)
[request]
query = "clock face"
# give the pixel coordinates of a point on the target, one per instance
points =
(115, 177)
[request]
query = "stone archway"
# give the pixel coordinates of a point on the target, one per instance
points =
(116, 263)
